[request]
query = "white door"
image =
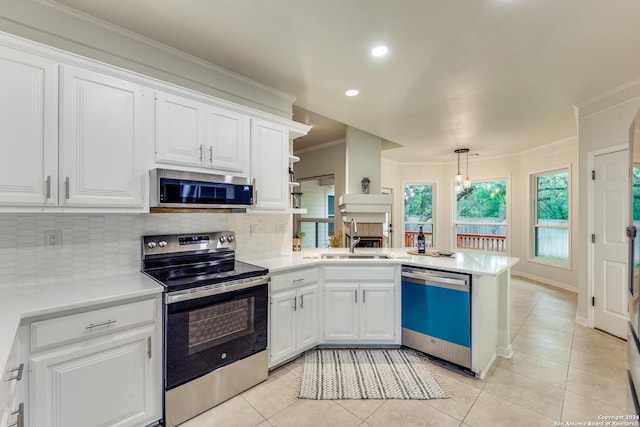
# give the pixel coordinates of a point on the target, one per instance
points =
(269, 164)
(282, 339)
(179, 130)
(307, 322)
(227, 141)
(28, 129)
(101, 144)
(377, 312)
(611, 216)
(107, 383)
(341, 317)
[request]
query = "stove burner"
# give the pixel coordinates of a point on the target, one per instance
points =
(208, 258)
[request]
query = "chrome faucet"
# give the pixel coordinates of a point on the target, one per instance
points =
(353, 228)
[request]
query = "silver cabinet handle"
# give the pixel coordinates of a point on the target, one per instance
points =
(301, 302)
(17, 376)
(364, 293)
(201, 148)
(19, 422)
(211, 154)
(296, 281)
(255, 191)
(48, 181)
(294, 304)
(356, 294)
(95, 325)
(149, 347)
(66, 186)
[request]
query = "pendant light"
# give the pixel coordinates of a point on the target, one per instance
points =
(467, 182)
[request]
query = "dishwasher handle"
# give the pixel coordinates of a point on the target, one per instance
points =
(426, 278)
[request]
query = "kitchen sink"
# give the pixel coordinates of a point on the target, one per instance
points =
(355, 256)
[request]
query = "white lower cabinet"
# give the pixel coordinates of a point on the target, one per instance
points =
(111, 376)
(13, 390)
(361, 305)
(294, 321)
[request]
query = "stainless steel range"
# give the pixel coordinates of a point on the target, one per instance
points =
(215, 320)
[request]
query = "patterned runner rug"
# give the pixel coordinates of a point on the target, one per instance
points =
(367, 374)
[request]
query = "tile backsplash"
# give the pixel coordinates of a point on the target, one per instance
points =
(99, 244)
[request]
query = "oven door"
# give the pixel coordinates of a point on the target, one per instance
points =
(210, 327)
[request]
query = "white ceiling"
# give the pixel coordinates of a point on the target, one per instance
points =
(497, 76)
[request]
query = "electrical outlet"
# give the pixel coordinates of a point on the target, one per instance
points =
(53, 239)
(253, 229)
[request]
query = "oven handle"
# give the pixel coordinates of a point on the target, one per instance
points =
(206, 291)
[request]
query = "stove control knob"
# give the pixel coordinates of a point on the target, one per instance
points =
(230, 238)
(151, 244)
(222, 239)
(162, 243)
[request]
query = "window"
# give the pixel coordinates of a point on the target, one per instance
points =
(551, 216)
(418, 211)
(481, 217)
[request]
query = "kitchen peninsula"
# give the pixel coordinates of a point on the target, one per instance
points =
(312, 290)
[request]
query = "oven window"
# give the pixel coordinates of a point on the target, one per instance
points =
(220, 323)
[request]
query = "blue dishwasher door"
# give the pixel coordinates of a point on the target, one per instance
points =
(438, 312)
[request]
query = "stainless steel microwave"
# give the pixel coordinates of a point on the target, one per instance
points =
(180, 189)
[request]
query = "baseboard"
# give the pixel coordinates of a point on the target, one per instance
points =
(543, 281)
(582, 321)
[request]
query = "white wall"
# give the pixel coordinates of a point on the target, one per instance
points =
(603, 122)
(362, 161)
(54, 25)
(101, 244)
(516, 170)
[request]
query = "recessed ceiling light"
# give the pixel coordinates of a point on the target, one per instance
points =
(352, 92)
(379, 50)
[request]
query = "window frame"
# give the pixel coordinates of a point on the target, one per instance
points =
(533, 218)
(506, 224)
(433, 210)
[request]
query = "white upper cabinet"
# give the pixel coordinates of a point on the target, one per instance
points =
(100, 140)
(269, 164)
(179, 130)
(197, 134)
(28, 129)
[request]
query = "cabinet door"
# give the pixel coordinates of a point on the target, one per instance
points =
(341, 318)
(179, 130)
(282, 339)
(227, 141)
(377, 312)
(110, 381)
(28, 129)
(308, 320)
(101, 142)
(269, 155)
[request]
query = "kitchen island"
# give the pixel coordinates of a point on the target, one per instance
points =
(490, 294)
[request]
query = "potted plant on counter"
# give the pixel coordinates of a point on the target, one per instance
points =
(298, 237)
(335, 240)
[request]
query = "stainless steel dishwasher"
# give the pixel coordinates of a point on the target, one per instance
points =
(436, 313)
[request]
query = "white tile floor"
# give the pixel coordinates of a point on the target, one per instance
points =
(560, 371)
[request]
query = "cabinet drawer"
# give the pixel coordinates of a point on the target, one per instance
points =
(360, 273)
(83, 325)
(294, 279)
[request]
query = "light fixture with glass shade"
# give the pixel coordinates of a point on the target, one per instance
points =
(460, 184)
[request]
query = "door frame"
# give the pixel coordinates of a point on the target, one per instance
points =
(591, 159)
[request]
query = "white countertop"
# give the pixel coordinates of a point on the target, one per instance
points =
(463, 262)
(60, 295)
